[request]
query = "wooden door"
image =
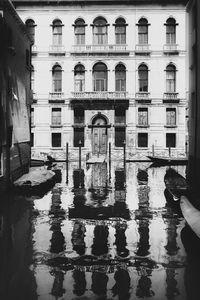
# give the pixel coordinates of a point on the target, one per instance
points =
(99, 140)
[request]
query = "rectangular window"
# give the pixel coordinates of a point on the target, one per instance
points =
(80, 35)
(171, 116)
(143, 35)
(100, 35)
(79, 83)
(32, 140)
(56, 139)
(78, 136)
(171, 82)
(143, 116)
(171, 34)
(143, 139)
(120, 116)
(120, 136)
(56, 116)
(32, 116)
(100, 85)
(79, 117)
(57, 35)
(120, 34)
(170, 140)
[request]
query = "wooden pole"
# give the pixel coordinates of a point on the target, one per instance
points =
(169, 151)
(153, 150)
(109, 158)
(67, 162)
(124, 155)
(80, 155)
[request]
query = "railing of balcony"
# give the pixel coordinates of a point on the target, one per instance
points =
(142, 95)
(95, 48)
(170, 96)
(100, 95)
(56, 95)
(57, 48)
(170, 47)
(142, 48)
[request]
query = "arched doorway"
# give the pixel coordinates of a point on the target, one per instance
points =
(99, 135)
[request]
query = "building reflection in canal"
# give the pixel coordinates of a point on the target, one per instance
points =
(97, 238)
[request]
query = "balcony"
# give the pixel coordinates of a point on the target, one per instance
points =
(143, 49)
(57, 50)
(56, 97)
(170, 49)
(99, 49)
(101, 99)
(170, 97)
(143, 97)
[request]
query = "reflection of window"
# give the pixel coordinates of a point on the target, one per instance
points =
(56, 139)
(171, 31)
(170, 78)
(143, 31)
(32, 116)
(57, 78)
(30, 24)
(143, 139)
(56, 116)
(143, 78)
(120, 136)
(120, 78)
(32, 78)
(79, 117)
(100, 77)
(120, 31)
(171, 116)
(100, 31)
(78, 137)
(79, 30)
(170, 140)
(57, 32)
(79, 78)
(142, 116)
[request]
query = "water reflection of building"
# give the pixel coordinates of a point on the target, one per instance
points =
(120, 239)
(99, 283)
(100, 241)
(80, 283)
(122, 284)
(143, 214)
(57, 242)
(99, 181)
(171, 284)
(78, 235)
(143, 289)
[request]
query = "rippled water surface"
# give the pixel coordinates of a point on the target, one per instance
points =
(102, 235)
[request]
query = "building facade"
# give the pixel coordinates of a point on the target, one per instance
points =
(15, 95)
(107, 72)
(193, 43)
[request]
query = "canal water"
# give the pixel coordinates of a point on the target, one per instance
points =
(98, 234)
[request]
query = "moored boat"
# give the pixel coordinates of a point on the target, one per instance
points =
(166, 160)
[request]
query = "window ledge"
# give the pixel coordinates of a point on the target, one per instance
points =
(142, 126)
(142, 148)
(55, 126)
(170, 126)
(56, 148)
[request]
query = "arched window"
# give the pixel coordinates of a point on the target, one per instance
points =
(171, 78)
(100, 77)
(100, 31)
(143, 31)
(171, 31)
(57, 78)
(79, 78)
(79, 31)
(143, 78)
(30, 24)
(120, 31)
(57, 32)
(120, 78)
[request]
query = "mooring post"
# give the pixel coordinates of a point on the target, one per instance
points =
(169, 151)
(153, 150)
(67, 161)
(124, 155)
(80, 155)
(109, 158)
